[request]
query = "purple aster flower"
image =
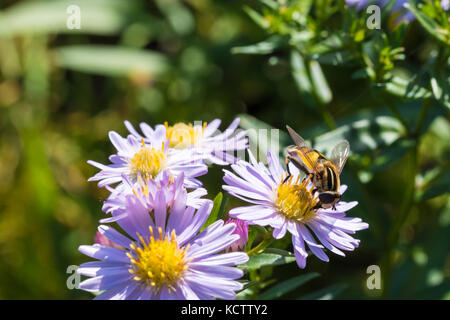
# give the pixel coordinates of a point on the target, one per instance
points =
(147, 191)
(147, 159)
(445, 4)
(289, 207)
(242, 231)
(203, 140)
(164, 256)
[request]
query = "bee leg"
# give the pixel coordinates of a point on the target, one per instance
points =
(317, 206)
(298, 165)
(288, 171)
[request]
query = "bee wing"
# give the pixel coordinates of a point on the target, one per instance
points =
(339, 155)
(300, 142)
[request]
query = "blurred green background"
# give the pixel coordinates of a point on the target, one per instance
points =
(62, 90)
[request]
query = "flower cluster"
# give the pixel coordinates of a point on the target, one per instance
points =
(165, 254)
(169, 250)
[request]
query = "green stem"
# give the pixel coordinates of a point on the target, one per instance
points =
(398, 116)
(408, 201)
(422, 117)
(261, 246)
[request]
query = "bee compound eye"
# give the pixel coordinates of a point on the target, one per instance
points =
(327, 197)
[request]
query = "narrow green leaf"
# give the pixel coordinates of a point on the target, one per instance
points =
(328, 293)
(265, 259)
(339, 58)
(110, 60)
(429, 24)
(256, 17)
(300, 73)
(213, 216)
(279, 251)
(264, 47)
(287, 286)
(319, 82)
(252, 233)
(407, 89)
(103, 17)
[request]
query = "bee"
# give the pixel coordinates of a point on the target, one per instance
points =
(324, 172)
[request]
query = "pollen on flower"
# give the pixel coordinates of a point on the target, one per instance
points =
(182, 135)
(158, 262)
(148, 162)
(296, 201)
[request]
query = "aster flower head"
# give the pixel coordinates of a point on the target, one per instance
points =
(148, 192)
(163, 255)
(242, 231)
(147, 159)
(290, 206)
(200, 138)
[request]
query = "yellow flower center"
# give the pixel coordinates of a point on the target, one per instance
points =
(148, 162)
(296, 201)
(158, 263)
(183, 135)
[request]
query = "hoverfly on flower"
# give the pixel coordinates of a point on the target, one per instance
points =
(324, 172)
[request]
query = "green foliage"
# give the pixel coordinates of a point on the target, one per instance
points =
(311, 64)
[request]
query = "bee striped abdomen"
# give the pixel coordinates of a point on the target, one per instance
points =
(331, 179)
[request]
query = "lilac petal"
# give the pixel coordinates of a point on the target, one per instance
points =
(187, 292)
(105, 282)
(313, 245)
(215, 271)
(120, 292)
(279, 233)
(226, 259)
(114, 236)
(299, 251)
(98, 268)
(105, 253)
(198, 221)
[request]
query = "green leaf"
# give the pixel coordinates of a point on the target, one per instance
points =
(279, 251)
(213, 216)
(264, 47)
(364, 134)
(338, 58)
(111, 60)
(328, 293)
(406, 88)
(178, 15)
(264, 260)
(319, 82)
(103, 17)
(287, 286)
(300, 73)
(437, 187)
(252, 233)
(391, 154)
(257, 18)
(429, 24)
